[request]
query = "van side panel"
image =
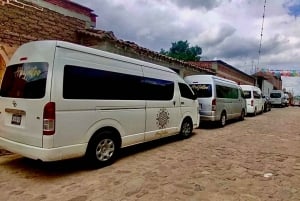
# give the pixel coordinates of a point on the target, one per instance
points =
(78, 119)
(163, 114)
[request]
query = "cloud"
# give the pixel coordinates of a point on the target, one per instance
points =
(224, 29)
(195, 4)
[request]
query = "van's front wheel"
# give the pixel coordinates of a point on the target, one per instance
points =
(186, 129)
(102, 149)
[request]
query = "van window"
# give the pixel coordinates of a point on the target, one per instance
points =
(157, 89)
(88, 83)
(275, 95)
(26, 80)
(247, 94)
(185, 91)
(227, 92)
(202, 90)
(242, 93)
(256, 95)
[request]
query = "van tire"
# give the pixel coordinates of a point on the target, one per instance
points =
(255, 112)
(242, 117)
(223, 118)
(102, 149)
(186, 128)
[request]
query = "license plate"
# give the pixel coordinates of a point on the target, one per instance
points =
(16, 119)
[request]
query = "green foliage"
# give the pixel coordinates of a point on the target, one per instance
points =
(181, 50)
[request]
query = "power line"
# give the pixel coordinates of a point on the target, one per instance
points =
(261, 33)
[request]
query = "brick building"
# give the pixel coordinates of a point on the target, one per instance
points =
(227, 71)
(274, 80)
(24, 21)
(30, 20)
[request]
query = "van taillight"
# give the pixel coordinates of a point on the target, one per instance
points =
(214, 105)
(252, 102)
(49, 119)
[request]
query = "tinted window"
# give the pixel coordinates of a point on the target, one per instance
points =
(247, 94)
(256, 95)
(226, 92)
(202, 90)
(87, 83)
(157, 89)
(26, 80)
(275, 95)
(185, 91)
(242, 93)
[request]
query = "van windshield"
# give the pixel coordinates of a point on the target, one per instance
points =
(26, 80)
(202, 90)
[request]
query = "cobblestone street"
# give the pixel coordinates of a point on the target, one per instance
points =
(254, 160)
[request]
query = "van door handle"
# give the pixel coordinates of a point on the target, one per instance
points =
(174, 103)
(182, 103)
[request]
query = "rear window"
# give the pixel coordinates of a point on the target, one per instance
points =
(247, 94)
(202, 90)
(275, 95)
(27, 80)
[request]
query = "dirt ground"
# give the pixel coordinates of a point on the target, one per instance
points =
(254, 160)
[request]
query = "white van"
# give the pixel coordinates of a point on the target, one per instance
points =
(60, 100)
(277, 98)
(219, 99)
(255, 102)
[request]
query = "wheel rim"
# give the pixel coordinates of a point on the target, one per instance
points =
(105, 149)
(186, 129)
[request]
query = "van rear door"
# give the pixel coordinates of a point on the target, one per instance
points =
(25, 90)
(22, 89)
(204, 94)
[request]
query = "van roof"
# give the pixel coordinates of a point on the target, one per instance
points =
(209, 77)
(250, 87)
(94, 51)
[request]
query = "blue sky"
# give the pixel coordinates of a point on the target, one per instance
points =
(294, 9)
(228, 30)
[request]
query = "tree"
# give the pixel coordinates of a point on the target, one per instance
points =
(181, 50)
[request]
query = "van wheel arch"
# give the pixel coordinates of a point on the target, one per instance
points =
(103, 147)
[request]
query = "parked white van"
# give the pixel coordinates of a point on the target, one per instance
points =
(60, 100)
(277, 98)
(219, 99)
(255, 102)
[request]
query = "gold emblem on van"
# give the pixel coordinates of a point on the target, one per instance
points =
(162, 118)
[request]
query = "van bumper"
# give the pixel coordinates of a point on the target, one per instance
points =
(38, 153)
(209, 116)
(250, 110)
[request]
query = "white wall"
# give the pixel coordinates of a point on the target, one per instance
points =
(267, 87)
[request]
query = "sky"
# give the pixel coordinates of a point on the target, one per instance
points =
(233, 31)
